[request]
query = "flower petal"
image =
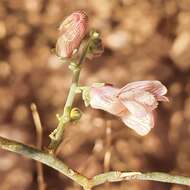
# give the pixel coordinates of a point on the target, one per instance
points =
(98, 101)
(138, 102)
(104, 98)
(163, 98)
(142, 125)
(135, 108)
(155, 87)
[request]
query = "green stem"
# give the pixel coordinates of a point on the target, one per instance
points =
(57, 135)
(44, 158)
(116, 176)
(86, 183)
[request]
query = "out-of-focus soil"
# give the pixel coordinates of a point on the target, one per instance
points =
(143, 39)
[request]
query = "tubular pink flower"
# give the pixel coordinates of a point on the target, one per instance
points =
(72, 30)
(134, 103)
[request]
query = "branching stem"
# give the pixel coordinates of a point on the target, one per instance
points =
(86, 183)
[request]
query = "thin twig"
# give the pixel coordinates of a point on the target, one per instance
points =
(86, 183)
(39, 133)
(38, 125)
(107, 156)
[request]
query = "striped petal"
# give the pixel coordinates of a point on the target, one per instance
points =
(104, 98)
(138, 102)
(72, 30)
(141, 125)
(155, 87)
(135, 108)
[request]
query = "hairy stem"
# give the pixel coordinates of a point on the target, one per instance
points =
(86, 183)
(57, 135)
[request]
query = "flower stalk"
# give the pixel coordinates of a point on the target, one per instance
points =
(57, 135)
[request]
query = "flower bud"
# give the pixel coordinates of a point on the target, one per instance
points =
(72, 30)
(96, 47)
(75, 114)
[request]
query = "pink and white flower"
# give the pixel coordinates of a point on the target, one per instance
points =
(134, 103)
(72, 30)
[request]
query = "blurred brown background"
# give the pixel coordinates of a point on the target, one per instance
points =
(143, 39)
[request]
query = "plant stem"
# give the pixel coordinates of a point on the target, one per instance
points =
(116, 176)
(86, 183)
(44, 158)
(57, 135)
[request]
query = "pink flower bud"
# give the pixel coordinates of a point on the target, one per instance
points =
(134, 103)
(72, 30)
